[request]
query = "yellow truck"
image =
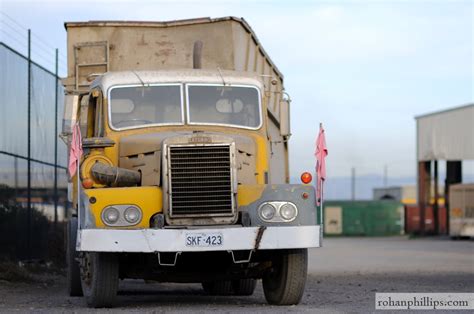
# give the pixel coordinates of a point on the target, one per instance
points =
(184, 175)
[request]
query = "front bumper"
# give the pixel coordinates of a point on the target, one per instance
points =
(174, 240)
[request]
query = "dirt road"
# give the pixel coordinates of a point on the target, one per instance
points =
(343, 277)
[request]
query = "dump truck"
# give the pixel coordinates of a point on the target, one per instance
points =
(184, 175)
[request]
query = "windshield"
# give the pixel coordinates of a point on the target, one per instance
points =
(227, 105)
(143, 105)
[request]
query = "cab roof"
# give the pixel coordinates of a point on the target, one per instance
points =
(109, 79)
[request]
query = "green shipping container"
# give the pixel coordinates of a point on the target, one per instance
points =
(363, 218)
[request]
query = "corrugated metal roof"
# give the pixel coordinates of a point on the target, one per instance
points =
(446, 135)
(444, 111)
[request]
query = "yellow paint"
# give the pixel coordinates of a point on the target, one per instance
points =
(261, 163)
(412, 201)
(440, 201)
(148, 198)
(408, 201)
(247, 194)
(89, 161)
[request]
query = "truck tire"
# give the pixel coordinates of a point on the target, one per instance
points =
(99, 278)
(244, 286)
(74, 288)
(217, 287)
(284, 284)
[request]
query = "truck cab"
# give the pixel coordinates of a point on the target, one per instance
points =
(184, 175)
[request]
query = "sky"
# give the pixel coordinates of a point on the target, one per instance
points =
(362, 68)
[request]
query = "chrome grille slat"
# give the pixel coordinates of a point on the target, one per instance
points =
(199, 186)
(200, 180)
(217, 171)
(185, 168)
(176, 193)
(217, 159)
(206, 182)
(207, 202)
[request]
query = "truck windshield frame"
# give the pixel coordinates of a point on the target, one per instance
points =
(140, 126)
(184, 106)
(259, 104)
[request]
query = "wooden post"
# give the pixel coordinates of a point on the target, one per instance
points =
(436, 197)
(424, 188)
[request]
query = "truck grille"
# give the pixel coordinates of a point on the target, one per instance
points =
(200, 181)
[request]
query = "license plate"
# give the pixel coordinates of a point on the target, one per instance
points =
(204, 239)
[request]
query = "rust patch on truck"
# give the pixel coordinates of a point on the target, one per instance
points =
(260, 232)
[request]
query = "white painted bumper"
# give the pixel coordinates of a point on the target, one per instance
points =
(173, 240)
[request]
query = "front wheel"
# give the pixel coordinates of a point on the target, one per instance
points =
(284, 283)
(99, 278)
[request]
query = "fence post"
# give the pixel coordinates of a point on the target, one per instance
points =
(28, 215)
(56, 144)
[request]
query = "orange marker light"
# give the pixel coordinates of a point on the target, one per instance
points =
(87, 183)
(306, 177)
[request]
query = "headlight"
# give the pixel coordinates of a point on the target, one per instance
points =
(132, 215)
(110, 215)
(278, 211)
(267, 211)
(288, 211)
(121, 215)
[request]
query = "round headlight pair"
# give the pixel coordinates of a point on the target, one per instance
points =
(286, 211)
(112, 215)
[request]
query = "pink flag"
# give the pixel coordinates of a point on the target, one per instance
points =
(321, 153)
(75, 152)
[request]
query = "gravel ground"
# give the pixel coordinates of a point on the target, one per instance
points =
(343, 277)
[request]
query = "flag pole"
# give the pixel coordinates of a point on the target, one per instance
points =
(78, 195)
(78, 191)
(321, 222)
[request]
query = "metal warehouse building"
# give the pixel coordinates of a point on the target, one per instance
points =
(445, 135)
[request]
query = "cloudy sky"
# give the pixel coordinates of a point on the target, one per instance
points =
(363, 68)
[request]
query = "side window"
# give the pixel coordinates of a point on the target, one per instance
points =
(83, 119)
(99, 117)
(91, 116)
(94, 115)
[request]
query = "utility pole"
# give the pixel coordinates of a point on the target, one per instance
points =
(28, 209)
(353, 175)
(56, 143)
(385, 176)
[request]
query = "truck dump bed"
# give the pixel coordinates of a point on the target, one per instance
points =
(227, 43)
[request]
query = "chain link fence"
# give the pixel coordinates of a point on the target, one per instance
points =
(33, 179)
